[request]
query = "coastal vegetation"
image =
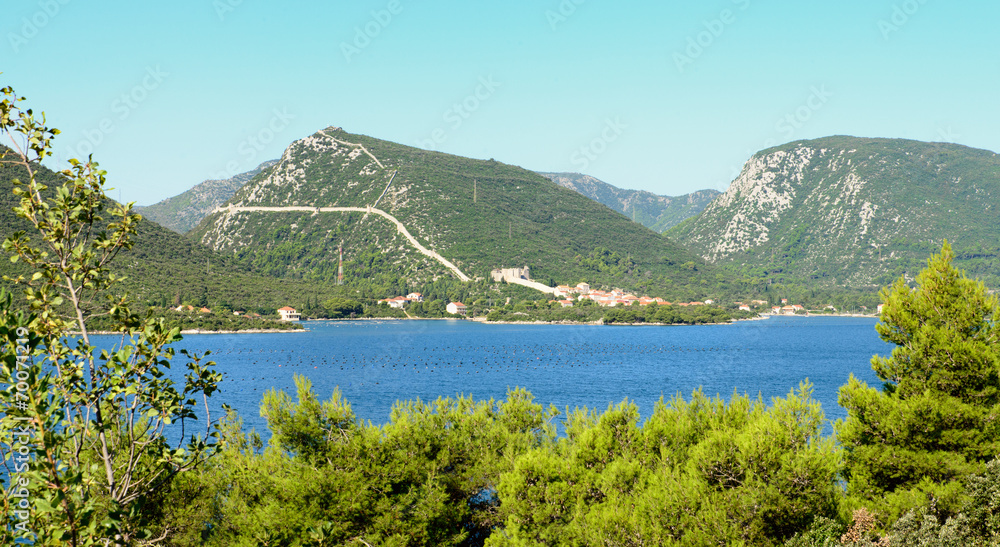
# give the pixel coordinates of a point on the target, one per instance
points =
(589, 312)
(105, 453)
(700, 470)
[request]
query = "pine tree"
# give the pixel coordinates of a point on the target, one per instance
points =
(935, 421)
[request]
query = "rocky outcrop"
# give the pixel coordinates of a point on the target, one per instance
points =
(850, 211)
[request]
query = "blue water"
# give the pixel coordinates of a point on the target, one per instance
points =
(376, 363)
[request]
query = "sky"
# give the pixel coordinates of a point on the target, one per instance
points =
(665, 96)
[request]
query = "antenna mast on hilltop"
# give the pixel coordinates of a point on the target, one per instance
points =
(340, 265)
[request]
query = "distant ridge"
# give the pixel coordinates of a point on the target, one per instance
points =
(184, 211)
(658, 213)
(855, 212)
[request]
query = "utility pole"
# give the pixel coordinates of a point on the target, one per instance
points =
(340, 264)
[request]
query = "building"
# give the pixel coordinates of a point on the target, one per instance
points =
(457, 308)
(289, 314)
(397, 302)
(511, 273)
(415, 297)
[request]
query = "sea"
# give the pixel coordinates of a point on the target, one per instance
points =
(377, 363)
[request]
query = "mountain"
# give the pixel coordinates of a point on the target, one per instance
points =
(476, 215)
(164, 268)
(184, 211)
(658, 213)
(847, 211)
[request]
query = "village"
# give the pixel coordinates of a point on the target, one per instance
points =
(567, 296)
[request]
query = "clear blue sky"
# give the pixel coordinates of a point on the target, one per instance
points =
(168, 94)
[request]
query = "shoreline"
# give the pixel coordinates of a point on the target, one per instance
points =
(862, 315)
(246, 331)
(199, 331)
(482, 320)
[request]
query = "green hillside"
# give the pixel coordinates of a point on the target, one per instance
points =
(184, 211)
(480, 215)
(658, 213)
(855, 212)
(165, 268)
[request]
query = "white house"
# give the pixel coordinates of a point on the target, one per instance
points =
(399, 302)
(289, 314)
(456, 308)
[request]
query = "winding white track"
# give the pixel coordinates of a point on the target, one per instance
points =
(231, 209)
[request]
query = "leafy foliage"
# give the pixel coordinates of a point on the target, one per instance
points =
(92, 460)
